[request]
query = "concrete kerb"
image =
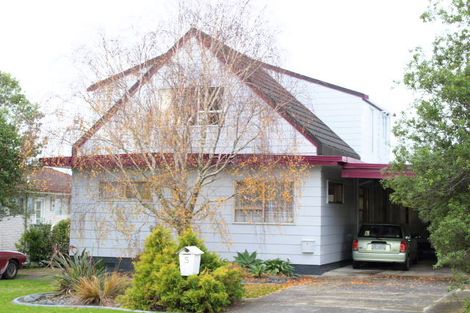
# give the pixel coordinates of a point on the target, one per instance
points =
(449, 303)
(20, 301)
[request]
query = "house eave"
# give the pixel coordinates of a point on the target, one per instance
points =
(351, 167)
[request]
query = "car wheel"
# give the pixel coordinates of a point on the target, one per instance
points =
(356, 264)
(406, 266)
(11, 271)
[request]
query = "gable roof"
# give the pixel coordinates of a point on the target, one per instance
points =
(258, 79)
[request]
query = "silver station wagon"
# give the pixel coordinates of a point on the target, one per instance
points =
(384, 243)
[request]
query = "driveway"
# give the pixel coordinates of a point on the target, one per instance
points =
(422, 270)
(352, 295)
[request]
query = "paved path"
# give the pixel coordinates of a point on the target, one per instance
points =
(352, 295)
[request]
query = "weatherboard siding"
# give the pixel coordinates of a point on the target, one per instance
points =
(11, 229)
(361, 125)
(95, 227)
(338, 221)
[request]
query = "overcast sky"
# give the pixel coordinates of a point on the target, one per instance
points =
(362, 45)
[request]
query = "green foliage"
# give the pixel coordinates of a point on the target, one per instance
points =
(158, 283)
(19, 132)
(278, 266)
(10, 161)
(61, 236)
(435, 139)
(73, 268)
(36, 243)
(258, 269)
(246, 259)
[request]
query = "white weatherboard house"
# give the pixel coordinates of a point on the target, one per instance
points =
(46, 202)
(340, 132)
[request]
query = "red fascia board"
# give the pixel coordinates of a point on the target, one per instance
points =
(361, 173)
(59, 161)
(136, 159)
(365, 166)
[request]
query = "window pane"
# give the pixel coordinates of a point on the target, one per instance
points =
(264, 201)
(112, 190)
(335, 192)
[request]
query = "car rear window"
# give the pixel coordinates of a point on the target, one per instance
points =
(380, 231)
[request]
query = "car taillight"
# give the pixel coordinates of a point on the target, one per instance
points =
(403, 246)
(355, 245)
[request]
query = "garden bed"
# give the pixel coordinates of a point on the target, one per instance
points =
(52, 299)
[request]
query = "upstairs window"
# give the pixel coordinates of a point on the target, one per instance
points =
(210, 106)
(335, 192)
(193, 105)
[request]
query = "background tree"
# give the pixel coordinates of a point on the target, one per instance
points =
(189, 118)
(435, 139)
(10, 158)
(20, 122)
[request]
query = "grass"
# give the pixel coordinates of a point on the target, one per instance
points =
(31, 281)
(26, 284)
(260, 290)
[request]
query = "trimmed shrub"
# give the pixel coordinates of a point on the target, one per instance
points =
(60, 236)
(158, 283)
(36, 242)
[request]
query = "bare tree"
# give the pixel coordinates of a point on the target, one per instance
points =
(170, 126)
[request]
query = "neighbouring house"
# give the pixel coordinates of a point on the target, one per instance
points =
(46, 202)
(341, 133)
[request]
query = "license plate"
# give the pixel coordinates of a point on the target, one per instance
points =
(378, 247)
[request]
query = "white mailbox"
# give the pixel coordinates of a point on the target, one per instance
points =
(190, 260)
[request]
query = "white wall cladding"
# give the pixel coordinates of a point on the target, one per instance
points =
(281, 137)
(349, 116)
(11, 229)
(96, 227)
(338, 221)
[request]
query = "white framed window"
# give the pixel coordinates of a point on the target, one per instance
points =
(210, 106)
(263, 201)
(196, 105)
(335, 192)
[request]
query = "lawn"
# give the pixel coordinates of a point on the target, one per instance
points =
(26, 284)
(31, 281)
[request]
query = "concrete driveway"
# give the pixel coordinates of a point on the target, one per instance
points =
(422, 270)
(352, 295)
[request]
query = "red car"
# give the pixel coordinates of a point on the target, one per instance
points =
(10, 262)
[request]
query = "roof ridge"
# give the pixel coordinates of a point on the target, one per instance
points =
(316, 81)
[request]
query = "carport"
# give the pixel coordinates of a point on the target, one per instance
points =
(374, 205)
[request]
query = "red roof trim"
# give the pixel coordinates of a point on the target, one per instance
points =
(134, 159)
(351, 168)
